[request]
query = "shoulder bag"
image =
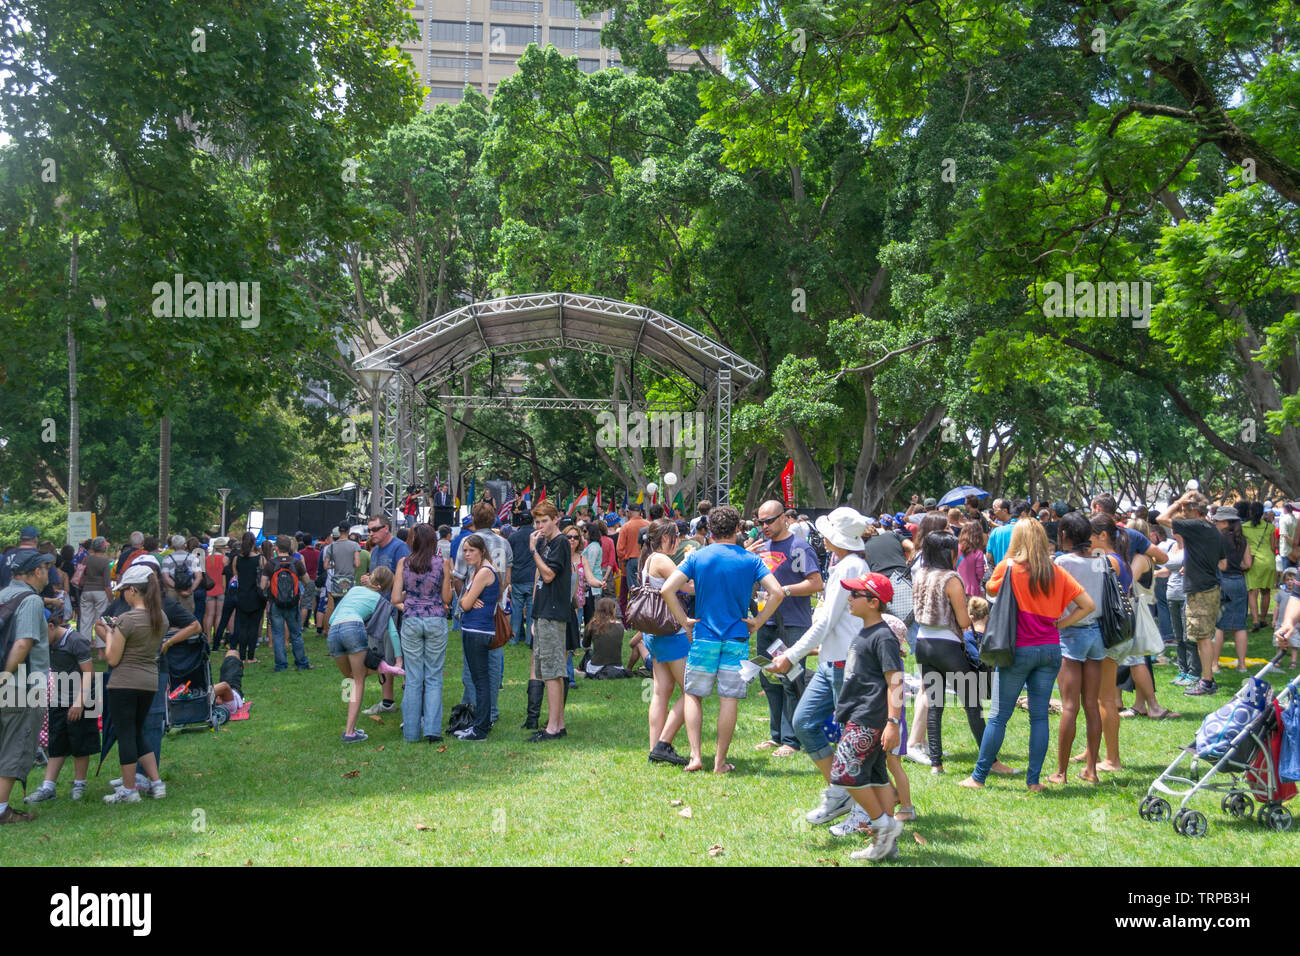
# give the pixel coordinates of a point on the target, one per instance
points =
(998, 646)
(648, 612)
(1115, 615)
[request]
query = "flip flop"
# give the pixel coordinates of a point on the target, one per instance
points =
(1167, 715)
(726, 768)
(1130, 712)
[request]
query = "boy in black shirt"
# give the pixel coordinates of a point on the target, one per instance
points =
(74, 713)
(870, 707)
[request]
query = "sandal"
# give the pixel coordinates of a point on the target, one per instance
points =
(767, 745)
(1166, 715)
(1130, 712)
(906, 814)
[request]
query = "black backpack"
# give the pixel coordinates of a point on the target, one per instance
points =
(182, 577)
(7, 628)
(284, 584)
(461, 718)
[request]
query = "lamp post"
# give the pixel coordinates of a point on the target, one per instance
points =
(650, 490)
(375, 379)
(223, 492)
(670, 479)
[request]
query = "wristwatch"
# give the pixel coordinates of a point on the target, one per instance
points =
(892, 720)
(786, 590)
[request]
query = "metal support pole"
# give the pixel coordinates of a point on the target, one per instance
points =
(724, 435)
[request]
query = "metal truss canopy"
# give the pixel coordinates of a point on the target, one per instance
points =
(427, 359)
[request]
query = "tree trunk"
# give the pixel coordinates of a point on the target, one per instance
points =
(74, 410)
(761, 457)
(805, 466)
(164, 475)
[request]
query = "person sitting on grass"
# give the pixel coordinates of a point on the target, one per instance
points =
(229, 690)
(348, 641)
(72, 733)
(604, 636)
(870, 709)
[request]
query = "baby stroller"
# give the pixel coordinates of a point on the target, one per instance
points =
(1240, 742)
(190, 696)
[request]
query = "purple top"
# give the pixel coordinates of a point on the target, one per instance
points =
(971, 571)
(424, 591)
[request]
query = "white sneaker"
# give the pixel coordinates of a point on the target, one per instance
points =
(122, 795)
(917, 755)
(835, 803)
(141, 782)
(884, 845)
(857, 821)
(380, 708)
(158, 790)
(40, 795)
(78, 790)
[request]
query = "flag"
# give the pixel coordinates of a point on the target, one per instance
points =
(568, 509)
(582, 500)
(625, 499)
(503, 513)
(787, 483)
(640, 497)
(679, 506)
(599, 510)
(470, 499)
(542, 496)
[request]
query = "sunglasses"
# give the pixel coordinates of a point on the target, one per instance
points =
(375, 530)
(863, 594)
(767, 521)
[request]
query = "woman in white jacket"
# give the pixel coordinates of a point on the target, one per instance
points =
(832, 629)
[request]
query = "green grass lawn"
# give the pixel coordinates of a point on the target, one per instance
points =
(283, 789)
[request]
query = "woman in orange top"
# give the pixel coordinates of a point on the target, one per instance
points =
(215, 565)
(1043, 592)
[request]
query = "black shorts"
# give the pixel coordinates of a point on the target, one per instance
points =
(859, 761)
(232, 673)
(73, 738)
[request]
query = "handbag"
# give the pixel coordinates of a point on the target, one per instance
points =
(79, 575)
(1115, 616)
(1146, 632)
(648, 612)
(505, 631)
(902, 605)
(998, 646)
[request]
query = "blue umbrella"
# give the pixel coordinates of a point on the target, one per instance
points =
(960, 494)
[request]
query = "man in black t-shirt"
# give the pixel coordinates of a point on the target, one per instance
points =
(870, 707)
(521, 577)
(552, 605)
(1205, 559)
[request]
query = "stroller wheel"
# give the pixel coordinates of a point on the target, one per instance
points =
(219, 716)
(1276, 817)
(1158, 810)
(1238, 804)
(1190, 823)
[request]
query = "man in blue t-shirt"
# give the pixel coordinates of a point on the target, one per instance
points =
(794, 563)
(385, 551)
(724, 574)
(1000, 537)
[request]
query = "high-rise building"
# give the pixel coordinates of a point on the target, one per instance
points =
(478, 42)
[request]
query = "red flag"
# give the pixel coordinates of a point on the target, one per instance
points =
(542, 496)
(787, 483)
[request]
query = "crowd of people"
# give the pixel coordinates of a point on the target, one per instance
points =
(861, 593)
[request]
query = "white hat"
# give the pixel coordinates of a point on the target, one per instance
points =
(138, 573)
(843, 528)
(149, 560)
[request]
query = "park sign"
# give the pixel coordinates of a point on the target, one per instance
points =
(81, 525)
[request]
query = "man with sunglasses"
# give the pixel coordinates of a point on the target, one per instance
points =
(794, 564)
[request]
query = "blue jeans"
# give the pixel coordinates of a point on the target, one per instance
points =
(815, 706)
(476, 644)
(424, 650)
(496, 664)
(1037, 668)
(280, 617)
(521, 608)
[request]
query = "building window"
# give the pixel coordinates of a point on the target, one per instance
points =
(446, 92)
(453, 31)
(517, 6)
(589, 66)
(564, 8)
(454, 62)
(504, 61)
(588, 39)
(509, 34)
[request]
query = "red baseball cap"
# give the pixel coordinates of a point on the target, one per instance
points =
(874, 583)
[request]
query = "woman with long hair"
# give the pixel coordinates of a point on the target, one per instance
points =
(1043, 592)
(1082, 650)
(215, 566)
(1232, 607)
(478, 628)
(939, 602)
(970, 557)
(1140, 667)
(132, 650)
(249, 601)
(1262, 576)
(668, 652)
(593, 574)
(422, 592)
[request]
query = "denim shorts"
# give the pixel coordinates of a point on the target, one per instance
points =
(669, 648)
(1083, 642)
(347, 637)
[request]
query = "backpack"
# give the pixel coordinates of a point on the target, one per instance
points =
(7, 629)
(182, 576)
(284, 584)
(461, 718)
